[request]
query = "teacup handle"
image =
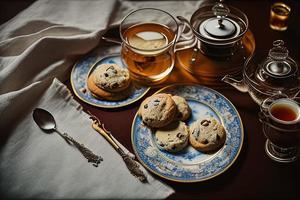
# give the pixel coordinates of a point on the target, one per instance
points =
(186, 38)
(265, 106)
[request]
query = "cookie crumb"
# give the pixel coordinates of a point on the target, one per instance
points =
(83, 90)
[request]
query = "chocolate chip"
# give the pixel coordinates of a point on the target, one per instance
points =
(205, 122)
(179, 115)
(218, 137)
(179, 135)
(106, 74)
(110, 67)
(156, 102)
(146, 106)
(205, 141)
(115, 85)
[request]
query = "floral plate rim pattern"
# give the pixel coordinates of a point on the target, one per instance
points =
(155, 160)
(88, 64)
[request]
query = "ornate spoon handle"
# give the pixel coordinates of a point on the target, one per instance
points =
(132, 166)
(88, 154)
(130, 162)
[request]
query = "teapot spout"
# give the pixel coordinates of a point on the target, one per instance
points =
(238, 84)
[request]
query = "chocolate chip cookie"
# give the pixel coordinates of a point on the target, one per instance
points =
(103, 94)
(158, 110)
(183, 109)
(173, 137)
(111, 77)
(207, 135)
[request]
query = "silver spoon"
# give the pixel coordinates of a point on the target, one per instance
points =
(46, 122)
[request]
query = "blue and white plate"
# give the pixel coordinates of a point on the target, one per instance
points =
(191, 165)
(82, 70)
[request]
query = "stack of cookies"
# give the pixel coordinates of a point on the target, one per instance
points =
(164, 112)
(110, 82)
(166, 115)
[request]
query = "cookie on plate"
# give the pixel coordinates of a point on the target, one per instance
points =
(111, 77)
(183, 109)
(173, 137)
(158, 110)
(207, 134)
(103, 94)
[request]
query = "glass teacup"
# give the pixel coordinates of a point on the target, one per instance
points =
(280, 117)
(148, 40)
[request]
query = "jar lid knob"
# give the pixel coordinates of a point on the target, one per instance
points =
(221, 11)
(279, 51)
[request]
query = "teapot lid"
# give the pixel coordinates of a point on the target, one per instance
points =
(219, 26)
(278, 69)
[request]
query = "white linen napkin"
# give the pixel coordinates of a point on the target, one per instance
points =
(42, 42)
(35, 164)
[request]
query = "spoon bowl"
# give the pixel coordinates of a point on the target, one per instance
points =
(44, 119)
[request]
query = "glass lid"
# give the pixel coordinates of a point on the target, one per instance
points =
(219, 23)
(219, 26)
(278, 69)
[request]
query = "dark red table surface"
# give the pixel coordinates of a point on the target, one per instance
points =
(253, 175)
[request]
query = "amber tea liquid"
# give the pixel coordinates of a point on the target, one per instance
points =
(279, 16)
(284, 113)
(148, 53)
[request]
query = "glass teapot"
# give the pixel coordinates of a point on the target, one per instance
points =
(218, 28)
(215, 41)
(265, 77)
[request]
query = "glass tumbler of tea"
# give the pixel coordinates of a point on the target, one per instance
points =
(279, 16)
(148, 41)
(280, 117)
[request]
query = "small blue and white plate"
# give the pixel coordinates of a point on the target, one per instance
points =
(87, 65)
(191, 165)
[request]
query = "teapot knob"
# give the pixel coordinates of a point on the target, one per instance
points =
(279, 51)
(221, 11)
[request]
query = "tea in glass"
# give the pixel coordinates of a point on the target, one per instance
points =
(149, 56)
(148, 44)
(281, 125)
(283, 112)
(279, 16)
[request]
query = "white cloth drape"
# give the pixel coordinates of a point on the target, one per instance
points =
(42, 43)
